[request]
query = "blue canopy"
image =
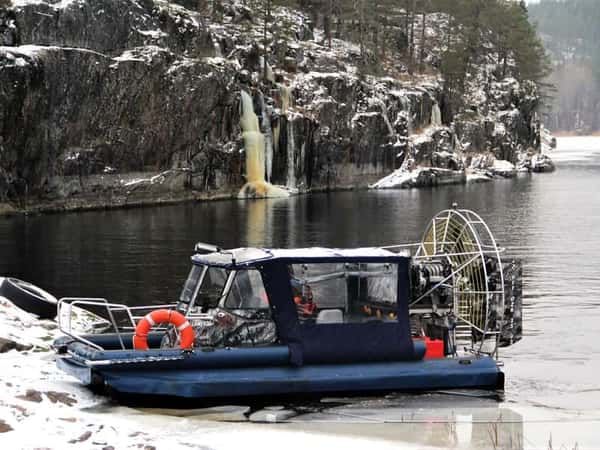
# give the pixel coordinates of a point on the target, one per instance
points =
(343, 342)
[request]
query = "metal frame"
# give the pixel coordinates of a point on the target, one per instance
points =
(483, 244)
(64, 316)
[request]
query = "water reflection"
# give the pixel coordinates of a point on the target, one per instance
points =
(431, 420)
(502, 428)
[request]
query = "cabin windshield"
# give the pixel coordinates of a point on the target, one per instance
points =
(190, 288)
(203, 288)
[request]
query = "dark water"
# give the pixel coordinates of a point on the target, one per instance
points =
(143, 254)
(552, 221)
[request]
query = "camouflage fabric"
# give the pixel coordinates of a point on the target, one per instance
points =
(228, 329)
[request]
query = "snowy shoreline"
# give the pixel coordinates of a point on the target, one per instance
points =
(96, 204)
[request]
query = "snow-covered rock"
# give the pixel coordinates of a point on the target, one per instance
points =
(478, 177)
(542, 163)
(504, 169)
(420, 177)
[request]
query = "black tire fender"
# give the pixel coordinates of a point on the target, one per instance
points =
(29, 297)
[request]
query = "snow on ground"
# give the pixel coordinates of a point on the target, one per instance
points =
(398, 178)
(478, 177)
(503, 168)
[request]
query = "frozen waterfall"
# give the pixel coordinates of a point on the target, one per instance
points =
(254, 144)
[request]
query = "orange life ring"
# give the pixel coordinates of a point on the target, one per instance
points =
(140, 339)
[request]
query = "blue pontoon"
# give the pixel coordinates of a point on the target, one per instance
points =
(416, 317)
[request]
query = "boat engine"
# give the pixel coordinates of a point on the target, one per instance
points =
(462, 290)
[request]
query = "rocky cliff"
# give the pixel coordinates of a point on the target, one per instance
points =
(116, 102)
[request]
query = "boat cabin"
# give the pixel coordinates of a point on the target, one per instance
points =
(325, 305)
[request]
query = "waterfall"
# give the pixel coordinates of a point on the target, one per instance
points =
(254, 141)
(217, 48)
(276, 133)
(386, 119)
(266, 124)
(254, 144)
(286, 101)
(270, 75)
(286, 97)
(291, 167)
(302, 157)
(436, 115)
(285, 94)
(405, 101)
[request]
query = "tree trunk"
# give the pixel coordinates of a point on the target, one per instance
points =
(406, 19)
(267, 20)
(422, 49)
(411, 45)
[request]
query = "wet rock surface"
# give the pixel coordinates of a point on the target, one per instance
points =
(31, 396)
(116, 103)
(61, 397)
(8, 344)
(4, 427)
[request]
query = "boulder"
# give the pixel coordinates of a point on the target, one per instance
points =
(9, 344)
(503, 169)
(542, 163)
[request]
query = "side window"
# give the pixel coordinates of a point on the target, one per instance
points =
(379, 299)
(212, 287)
(353, 292)
(325, 282)
(247, 291)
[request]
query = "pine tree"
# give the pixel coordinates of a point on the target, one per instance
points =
(530, 57)
(425, 8)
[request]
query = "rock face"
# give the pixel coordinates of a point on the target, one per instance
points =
(117, 102)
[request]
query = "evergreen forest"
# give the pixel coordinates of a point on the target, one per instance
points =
(571, 33)
(396, 36)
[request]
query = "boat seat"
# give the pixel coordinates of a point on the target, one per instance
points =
(330, 316)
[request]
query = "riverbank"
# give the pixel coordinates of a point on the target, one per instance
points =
(426, 177)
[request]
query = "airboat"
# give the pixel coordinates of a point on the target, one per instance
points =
(258, 322)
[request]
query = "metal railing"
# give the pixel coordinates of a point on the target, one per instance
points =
(114, 311)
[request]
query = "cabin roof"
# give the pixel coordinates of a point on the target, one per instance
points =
(249, 257)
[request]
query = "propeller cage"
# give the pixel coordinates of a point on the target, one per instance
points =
(462, 290)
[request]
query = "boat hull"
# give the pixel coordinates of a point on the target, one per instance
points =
(266, 371)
